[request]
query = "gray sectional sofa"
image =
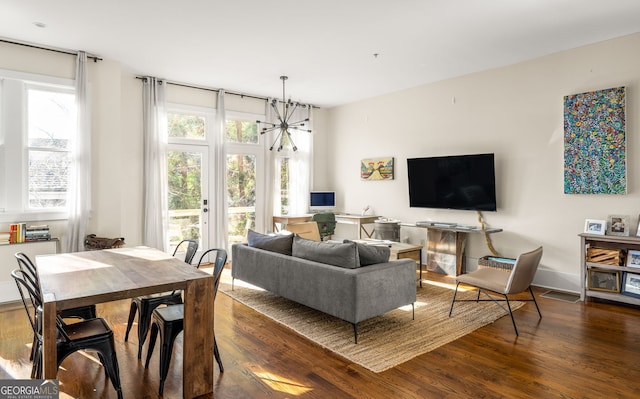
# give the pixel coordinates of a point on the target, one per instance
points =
(349, 280)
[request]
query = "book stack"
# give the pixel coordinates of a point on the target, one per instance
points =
(37, 233)
(17, 232)
(5, 237)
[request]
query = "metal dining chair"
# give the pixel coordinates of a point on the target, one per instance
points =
(169, 322)
(93, 334)
(144, 305)
(29, 268)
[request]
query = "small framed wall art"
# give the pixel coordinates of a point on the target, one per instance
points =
(633, 258)
(594, 226)
(376, 169)
(604, 280)
(618, 225)
(631, 284)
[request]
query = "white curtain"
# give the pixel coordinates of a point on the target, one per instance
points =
(219, 204)
(79, 187)
(154, 120)
(300, 163)
(272, 185)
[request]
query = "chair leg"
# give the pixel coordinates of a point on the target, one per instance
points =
(355, 332)
(167, 339)
(144, 321)
(132, 315)
(110, 362)
(216, 353)
(152, 343)
(455, 293)
(511, 314)
(535, 302)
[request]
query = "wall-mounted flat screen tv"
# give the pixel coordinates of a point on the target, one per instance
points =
(453, 182)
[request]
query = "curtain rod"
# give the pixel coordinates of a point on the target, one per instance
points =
(190, 86)
(55, 50)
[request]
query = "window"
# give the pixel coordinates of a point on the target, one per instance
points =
(243, 157)
(51, 122)
(38, 123)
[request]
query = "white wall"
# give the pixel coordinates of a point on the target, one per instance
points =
(515, 112)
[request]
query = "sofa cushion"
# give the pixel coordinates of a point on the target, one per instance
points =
(277, 243)
(372, 254)
(336, 254)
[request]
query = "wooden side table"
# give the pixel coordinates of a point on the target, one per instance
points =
(400, 250)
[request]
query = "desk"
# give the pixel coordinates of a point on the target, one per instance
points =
(343, 218)
(87, 278)
(285, 219)
(359, 221)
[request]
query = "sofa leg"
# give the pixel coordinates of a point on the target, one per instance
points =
(355, 332)
(233, 281)
(413, 311)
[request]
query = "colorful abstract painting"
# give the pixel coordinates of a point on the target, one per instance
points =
(376, 169)
(595, 142)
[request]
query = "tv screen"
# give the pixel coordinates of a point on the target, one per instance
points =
(453, 182)
(322, 201)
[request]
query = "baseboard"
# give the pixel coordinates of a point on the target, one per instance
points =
(556, 280)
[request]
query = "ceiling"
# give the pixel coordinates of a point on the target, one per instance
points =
(334, 51)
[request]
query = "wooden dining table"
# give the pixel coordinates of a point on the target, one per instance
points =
(86, 278)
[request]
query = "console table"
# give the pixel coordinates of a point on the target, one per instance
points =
(445, 246)
(343, 218)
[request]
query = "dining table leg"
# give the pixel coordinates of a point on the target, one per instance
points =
(198, 341)
(49, 346)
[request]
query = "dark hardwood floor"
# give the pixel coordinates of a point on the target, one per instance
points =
(577, 350)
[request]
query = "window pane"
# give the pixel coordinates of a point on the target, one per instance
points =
(51, 119)
(284, 186)
(186, 126)
(48, 179)
(238, 131)
(185, 196)
(241, 195)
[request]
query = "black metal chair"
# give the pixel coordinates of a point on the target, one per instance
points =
(82, 312)
(145, 305)
(93, 334)
(169, 322)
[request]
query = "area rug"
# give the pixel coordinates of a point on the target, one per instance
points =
(384, 341)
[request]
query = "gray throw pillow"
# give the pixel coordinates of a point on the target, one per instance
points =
(280, 244)
(372, 254)
(336, 254)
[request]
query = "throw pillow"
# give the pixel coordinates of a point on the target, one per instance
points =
(372, 254)
(280, 244)
(336, 254)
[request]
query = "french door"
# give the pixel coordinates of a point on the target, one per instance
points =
(188, 202)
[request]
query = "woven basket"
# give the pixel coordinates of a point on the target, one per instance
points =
(494, 264)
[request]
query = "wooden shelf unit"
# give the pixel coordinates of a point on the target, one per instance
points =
(611, 242)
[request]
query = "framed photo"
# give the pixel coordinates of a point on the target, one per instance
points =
(618, 225)
(633, 258)
(604, 280)
(593, 226)
(631, 284)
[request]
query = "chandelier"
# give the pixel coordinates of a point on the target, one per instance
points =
(284, 124)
